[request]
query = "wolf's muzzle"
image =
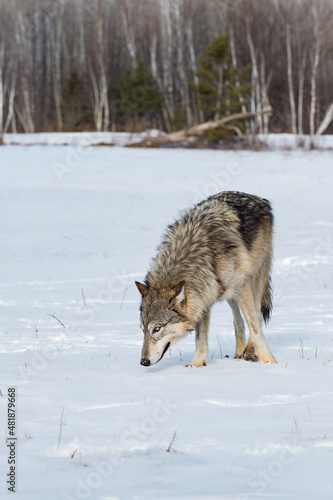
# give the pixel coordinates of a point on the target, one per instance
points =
(145, 362)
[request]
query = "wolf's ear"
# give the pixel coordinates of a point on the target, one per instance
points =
(177, 295)
(143, 289)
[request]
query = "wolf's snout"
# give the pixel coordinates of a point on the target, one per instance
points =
(145, 362)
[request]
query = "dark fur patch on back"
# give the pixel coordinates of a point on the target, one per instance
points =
(251, 211)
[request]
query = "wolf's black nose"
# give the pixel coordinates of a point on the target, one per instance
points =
(145, 362)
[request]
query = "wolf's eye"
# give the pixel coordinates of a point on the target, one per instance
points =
(156, 329)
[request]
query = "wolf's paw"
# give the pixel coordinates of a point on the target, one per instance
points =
(269, 359)
(249, 354)
(202, 363)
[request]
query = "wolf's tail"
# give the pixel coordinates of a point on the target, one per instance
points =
(267, 301)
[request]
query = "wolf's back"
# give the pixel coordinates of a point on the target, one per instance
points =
(252, 212)
(220, 225)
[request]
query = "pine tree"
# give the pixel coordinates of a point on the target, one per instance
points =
(73, 108)
(221, 88)
(140, 95)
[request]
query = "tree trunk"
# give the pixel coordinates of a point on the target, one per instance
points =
(301, 78)
(98, 75)
(194, 68)
(219, 93)
(290, 81)
(24, 51)
(167, 53)
(313, 89)
(128, 25)
(82, 51)
(10, 114)
(328, 118)
(234, 61)
(56, 35)
(104, 99)
(264, 91)
(314, 75)
(181, 66)
(166, 111)
(256, 104)
(96, 102)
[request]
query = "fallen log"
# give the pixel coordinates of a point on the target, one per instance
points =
(190, 134)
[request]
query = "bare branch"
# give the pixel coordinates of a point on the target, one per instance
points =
(326, 121)
(52, 315)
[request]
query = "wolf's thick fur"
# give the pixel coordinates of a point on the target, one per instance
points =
(219, 250)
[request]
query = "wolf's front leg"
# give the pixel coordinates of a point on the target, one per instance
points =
(201, 341)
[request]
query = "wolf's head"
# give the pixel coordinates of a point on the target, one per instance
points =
(163, 320)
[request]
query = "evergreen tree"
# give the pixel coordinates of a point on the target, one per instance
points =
(73, 108)
(140, 95)
(217, 88)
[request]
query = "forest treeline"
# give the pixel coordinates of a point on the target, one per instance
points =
(126, 64)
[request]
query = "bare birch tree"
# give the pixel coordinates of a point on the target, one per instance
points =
(315, 63)
(167, 54)
(128, 21)
(326, 121)
(154, 27)
(264, 86)
(256, 104)
(234, 60)
(11, 94)
(301, 78)
(101, 111)
(193, 62)
(55, 26)
(183, 81)
(23, 42)
(290, 80)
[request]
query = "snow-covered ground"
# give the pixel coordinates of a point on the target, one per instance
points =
(292, 141)
(78, 226)
(84, 139)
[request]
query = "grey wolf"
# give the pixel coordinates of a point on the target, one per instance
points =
(221, 249)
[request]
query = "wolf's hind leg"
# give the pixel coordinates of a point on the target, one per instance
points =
(256, 335)
(201, 341)
(239, 328)
(249, 352)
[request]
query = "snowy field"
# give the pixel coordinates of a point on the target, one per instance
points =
(78, 226)
(84, 139)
